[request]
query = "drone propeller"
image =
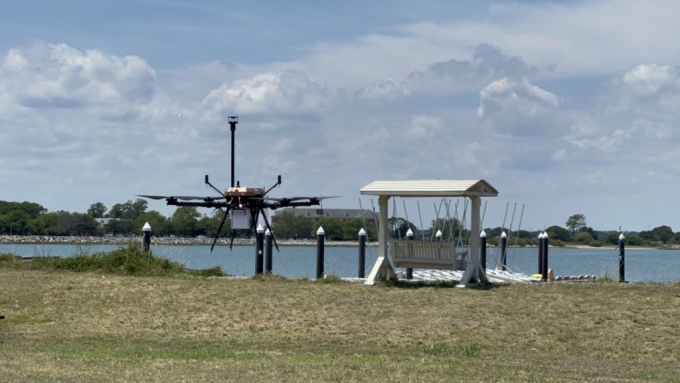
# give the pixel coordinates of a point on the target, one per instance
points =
(182, 197)
(153, 196)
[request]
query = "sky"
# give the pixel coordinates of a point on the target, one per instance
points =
(564, 107)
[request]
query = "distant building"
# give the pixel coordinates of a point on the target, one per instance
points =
(341, 214)
(103, 221)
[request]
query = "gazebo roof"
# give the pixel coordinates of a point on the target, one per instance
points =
(430, 188)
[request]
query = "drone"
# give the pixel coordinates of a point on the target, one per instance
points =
(245, 204)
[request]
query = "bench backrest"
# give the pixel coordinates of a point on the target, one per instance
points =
(426, 255)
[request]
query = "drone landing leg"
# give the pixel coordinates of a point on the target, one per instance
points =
(270, 229)
(231, 242)
(219, 230)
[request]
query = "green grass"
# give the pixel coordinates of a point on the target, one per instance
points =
(100, 327)
(130, 260)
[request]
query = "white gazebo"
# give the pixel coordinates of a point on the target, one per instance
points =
(475, 272)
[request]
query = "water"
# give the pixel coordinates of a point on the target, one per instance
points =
(300, 261)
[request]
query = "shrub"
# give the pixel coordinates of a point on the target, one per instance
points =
(130, 260)
(595, 244)
(583, 238)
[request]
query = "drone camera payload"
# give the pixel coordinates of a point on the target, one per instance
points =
(240, 219)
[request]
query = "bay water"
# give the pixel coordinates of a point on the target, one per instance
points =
(300, 261)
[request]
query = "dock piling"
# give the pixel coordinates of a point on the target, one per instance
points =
(622, 258)
(540, 253)
(147, 237)
(504, 252)
(320, 234)
(259, 239)
(362, 253)
(544, 263)
(409, 236)
(482, 250)
(268, 252)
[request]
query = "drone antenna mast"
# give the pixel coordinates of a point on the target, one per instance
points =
(233, 120)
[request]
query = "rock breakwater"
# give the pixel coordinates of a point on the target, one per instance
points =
(165, 241)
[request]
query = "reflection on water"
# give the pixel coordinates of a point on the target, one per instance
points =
(300, 261)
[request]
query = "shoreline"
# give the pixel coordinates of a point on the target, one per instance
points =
(163, 241)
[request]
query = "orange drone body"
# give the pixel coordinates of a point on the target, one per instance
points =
(244, 192)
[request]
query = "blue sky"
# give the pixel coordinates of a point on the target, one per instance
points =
(567, 107)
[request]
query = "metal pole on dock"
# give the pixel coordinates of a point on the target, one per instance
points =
(482, 252)
(268, 252)
(320, 234)
(409, 270)
(259, 239)
(622, 258)
(147, 237)
(362, 253)
(540, 252)
(504, 253)
(544, 264)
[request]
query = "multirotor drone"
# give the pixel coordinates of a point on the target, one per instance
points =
(245, 204)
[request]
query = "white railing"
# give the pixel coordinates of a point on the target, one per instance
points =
(427, 255)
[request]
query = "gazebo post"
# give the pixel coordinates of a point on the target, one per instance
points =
(474, 273)
(382, 268)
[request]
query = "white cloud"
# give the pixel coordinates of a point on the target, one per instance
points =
(55, 75)
(290, 92)
(486, 65)
(518, 108)
(387, 89)
(424, 127)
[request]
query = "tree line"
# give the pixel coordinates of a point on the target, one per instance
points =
(29, 218)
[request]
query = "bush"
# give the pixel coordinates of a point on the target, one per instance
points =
(583, 237)
(595, 244)
(130, 260)
(555, 242)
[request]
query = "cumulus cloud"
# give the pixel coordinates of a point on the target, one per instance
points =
(55, 75)
(387, 89)
(518, 108)
(289, 92)
(488, 64)
(424, 127)
(647, 89)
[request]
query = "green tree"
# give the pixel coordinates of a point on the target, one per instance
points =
(97, 210)
(496, 232)
(558, 233)
(658, 234)
(583, 237)
(44, 224)
(32, 209)
(575, 223)
(157, 221)
(284, 227)
(397, 227)
(303, 227)
(589, 230)
(332, 228)
(184, 220)
(128, 210)
(352, 226)
(208, 225)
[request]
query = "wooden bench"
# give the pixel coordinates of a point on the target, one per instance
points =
(427, 255)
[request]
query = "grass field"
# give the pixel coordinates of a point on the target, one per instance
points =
(66, 326)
